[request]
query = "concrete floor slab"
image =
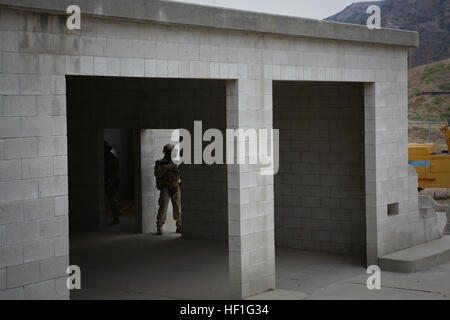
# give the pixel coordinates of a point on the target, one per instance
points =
(308, 271)
(279, 295)
(118, 264)
(352, 291)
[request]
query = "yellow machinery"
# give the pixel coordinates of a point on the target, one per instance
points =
(432, 167)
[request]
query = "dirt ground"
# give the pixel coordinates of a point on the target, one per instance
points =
(418, 133)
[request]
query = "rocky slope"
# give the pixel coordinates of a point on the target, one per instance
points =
(431, 18)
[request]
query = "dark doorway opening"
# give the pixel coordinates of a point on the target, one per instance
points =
(133, 115)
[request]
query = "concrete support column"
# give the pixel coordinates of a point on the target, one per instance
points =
(250, 197)
(393, 218)
(371, 174)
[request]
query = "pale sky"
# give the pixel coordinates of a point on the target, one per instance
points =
(315, 9)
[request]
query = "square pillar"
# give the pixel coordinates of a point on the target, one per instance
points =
(250, 196)
(371, 174)
(387, 170)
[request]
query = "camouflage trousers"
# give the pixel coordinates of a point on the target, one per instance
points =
(164, 197)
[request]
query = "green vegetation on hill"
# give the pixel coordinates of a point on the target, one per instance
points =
(434, 77)
(435, 72)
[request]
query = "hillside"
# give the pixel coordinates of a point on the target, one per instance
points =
(432, 77)
(431, 18)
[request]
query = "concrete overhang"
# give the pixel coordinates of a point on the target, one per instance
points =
(171, 12)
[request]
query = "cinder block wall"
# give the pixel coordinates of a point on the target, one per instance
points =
(320, 188)
(37, 53)
(97, 103)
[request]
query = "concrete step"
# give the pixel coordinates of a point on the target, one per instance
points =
(419, 257)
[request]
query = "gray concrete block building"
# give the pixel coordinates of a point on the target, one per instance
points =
(336, 92)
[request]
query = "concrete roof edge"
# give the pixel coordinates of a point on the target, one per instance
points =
(172, 12)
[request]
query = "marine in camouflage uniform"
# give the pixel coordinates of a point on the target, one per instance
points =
(168, 177)
(112, 170)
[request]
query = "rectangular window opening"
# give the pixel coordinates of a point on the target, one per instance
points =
(393, 209)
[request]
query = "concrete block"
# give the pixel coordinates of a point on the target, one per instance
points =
(40, 291)
(11, 255)
(35, 84)
(320, 235)
(37, 167)
(37, 126)
(53, 268)
(38, 250)
(59, 126)
(61, 246)
(214, 69)
(100, 66)
(9, 84)
(21, 232)
(46, 146)
(10, 212)
(2, 236)
(113, 66)
(53, 186)
(61, 206)
(22, 274)
(161, 68)
(38, 209)
(61, 145)
(19, 105)
(150, 67)
(2, 279)
(209, 53)
(18, 190)
(59, 84)
(20, 148)
(54, 105)
(52, 146)
(12, 294)
(51, 64)
(10, 127)
(172, 69)
(19, 63)
(55, 227)
(61, 288)
(9, 41)
(341, 237)
(132, 67)
(73, 65)
(10, 170)
(2, 149)
(60, 165)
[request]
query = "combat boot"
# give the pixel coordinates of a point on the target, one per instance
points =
(178, 229)
(159, 231)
